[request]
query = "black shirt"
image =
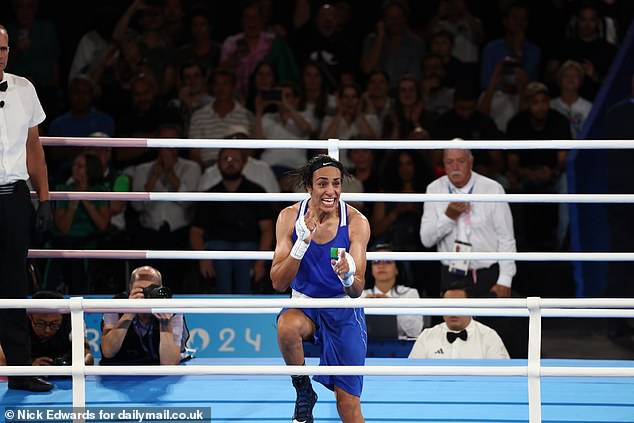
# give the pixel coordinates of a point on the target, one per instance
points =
(232, 220)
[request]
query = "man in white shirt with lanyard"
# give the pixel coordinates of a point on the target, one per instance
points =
(465, 226)
(459, 337)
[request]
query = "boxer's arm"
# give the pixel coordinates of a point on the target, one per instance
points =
(284, 267)
(359, 231)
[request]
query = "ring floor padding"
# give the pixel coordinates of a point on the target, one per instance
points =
(394, 399)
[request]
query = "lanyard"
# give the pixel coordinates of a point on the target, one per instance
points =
(464, 221)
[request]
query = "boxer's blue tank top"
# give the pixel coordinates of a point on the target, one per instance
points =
(315, 276)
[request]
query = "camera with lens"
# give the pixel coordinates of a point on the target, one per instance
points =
(157, 291)
(62, 360)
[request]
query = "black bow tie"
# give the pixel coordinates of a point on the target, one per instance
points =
(3, 85)
(452, 336)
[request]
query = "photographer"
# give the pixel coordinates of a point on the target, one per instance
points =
(51, 337)
(135, 338)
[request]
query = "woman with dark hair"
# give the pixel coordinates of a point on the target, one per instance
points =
(409, 119)
(314, 95)
(263, 78)
(386, 282)
(404, 171)
(79, 224)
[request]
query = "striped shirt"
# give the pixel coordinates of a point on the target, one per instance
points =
(206, 124)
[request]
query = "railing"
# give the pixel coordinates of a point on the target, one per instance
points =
(533, 307)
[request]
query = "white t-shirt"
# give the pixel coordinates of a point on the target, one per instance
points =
(577, 113)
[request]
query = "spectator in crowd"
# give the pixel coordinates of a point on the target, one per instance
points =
(142, 118)
(314, 95)
(51, 341)
(409, 116)
(82, 120)
(254, 168)
(465, 226)
(114, 72)
(286, 123)
(230, 225)
(154, 43)
(263, 78)
(513, 46)
(592, 51)
(459, 337)
(393, 47)
(349, 122)
(538, 171)
(174, 21)
(193, 91)
(436, 94)
(322, 42)
(140, 338)
(164, 225)
(570, 103)
(441, 43)
(388, 283)
(212, 120)
(465, 121)
(377, 94)
(503, 97)
(467, 31)
(36, 53)
(244, 50)
(79, 224)
(95, 44)
(201, 48)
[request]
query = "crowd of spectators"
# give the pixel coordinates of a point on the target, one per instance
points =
(300, 70)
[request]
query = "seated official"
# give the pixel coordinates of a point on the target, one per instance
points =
(386, 276)
(134, 338)
(51, 337)
(459, 336)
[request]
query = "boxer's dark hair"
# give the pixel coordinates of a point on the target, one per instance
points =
(304, 175)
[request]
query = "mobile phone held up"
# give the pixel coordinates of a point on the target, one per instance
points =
(272, 95)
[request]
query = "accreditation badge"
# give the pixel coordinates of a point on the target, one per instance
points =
(460, 267)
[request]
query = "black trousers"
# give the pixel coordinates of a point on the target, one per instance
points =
(15, 211)
(512, 330)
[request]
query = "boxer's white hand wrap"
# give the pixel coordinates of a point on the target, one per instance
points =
(348, 277)
(300, 247)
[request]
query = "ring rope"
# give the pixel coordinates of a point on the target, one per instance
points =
(383, 197)
(334, 143)
(388, 255)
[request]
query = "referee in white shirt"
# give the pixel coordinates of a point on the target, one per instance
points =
(21, 158)
(463, 226)
(459, 336)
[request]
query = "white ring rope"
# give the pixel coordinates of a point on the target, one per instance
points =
(389, 255)
(337, 144)
(384, 197)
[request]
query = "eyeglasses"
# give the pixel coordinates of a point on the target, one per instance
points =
(42, 325)
(383, 262)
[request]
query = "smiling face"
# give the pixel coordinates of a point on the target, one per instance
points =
(326, 189)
